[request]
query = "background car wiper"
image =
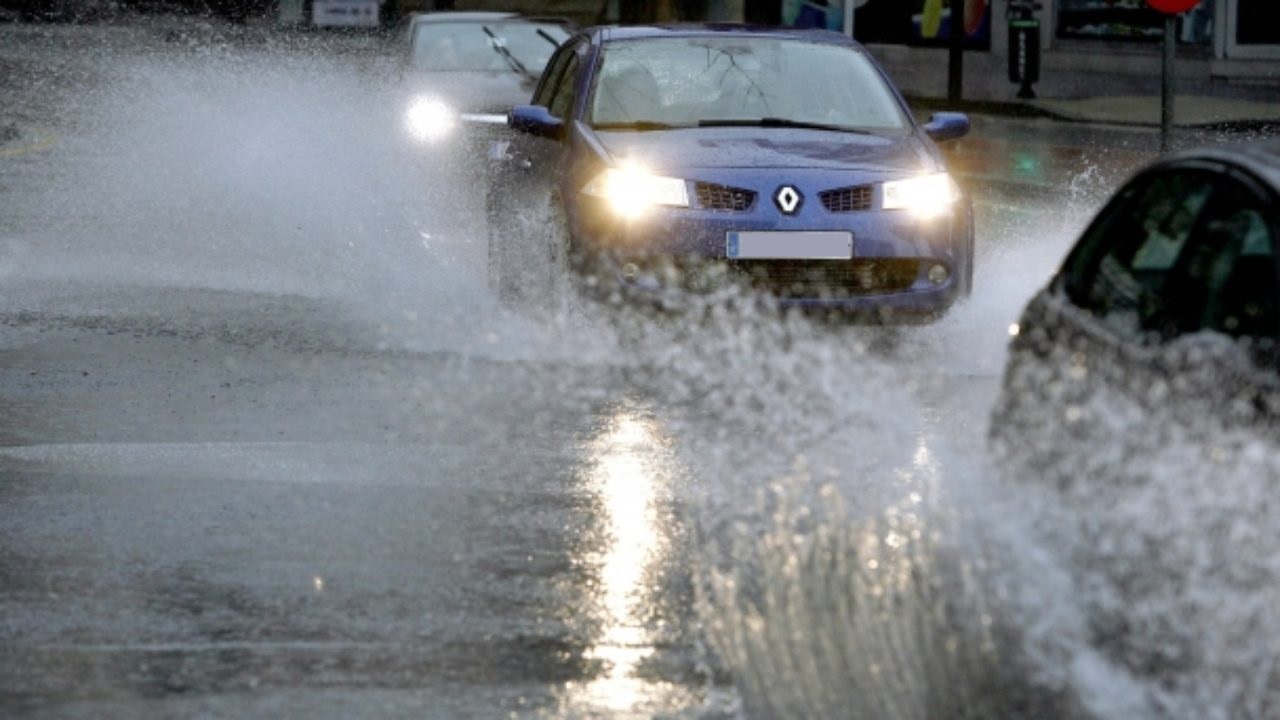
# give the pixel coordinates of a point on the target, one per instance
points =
(639, 125)
(500, 48)
(547, 36)
(782, 123)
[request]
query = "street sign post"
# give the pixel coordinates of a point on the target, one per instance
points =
(1171, 9)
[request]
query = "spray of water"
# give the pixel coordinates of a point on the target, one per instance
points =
(855, 554)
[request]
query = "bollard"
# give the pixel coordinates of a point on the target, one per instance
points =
(1024, 45)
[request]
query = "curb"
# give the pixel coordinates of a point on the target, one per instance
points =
(980, 107)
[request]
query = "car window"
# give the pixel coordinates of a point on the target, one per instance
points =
(1125, 257)
(551, 76)
(555, 71)
(1177, 253)
(562, 96)
(685, 81)
(489, 47)
(1231, 277)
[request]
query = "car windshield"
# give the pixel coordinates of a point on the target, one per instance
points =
(691, 81)
(484, 46)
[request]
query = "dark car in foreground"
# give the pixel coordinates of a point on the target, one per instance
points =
(660, 159)
(1162, 317)
(467, 70)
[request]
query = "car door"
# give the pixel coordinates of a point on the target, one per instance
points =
(537, 160)
(1166, 308)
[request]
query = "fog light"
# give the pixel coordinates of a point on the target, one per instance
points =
(938, 274)
(630, 271)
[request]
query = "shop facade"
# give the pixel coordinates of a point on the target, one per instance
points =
(1090, 48)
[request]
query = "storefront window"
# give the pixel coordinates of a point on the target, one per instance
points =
(1131, 20)
(921, 22)
(1258, 22)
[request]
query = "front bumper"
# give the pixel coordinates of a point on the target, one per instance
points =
(900, 263)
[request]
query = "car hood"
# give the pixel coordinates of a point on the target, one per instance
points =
(475, 92)
(700, 148)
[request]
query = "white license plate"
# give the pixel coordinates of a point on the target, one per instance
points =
(808, 245)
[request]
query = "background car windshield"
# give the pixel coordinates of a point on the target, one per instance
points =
(456, 46)
(685, 81)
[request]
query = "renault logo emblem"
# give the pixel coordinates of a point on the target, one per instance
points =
(788, 199)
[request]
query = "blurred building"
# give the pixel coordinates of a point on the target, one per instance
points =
(1228, 48)
(1091, 48)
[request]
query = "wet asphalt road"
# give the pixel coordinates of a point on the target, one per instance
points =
(196, 522)
(268, 454)
(240, 478)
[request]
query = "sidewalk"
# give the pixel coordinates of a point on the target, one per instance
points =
(1190, 111)
(1054, 148)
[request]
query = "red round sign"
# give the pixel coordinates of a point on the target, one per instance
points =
(1173, 7)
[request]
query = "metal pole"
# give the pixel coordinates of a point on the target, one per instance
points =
(1167, 89)
(955, 66)
(848, 17)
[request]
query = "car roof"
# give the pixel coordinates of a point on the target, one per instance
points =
(448, 16)
(1259, 157)
(451, 16)
(615, 33)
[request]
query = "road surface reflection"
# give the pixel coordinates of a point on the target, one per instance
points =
(630, 472)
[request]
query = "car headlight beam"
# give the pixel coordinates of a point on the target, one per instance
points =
(631, 192)
(926, 196)
(428, 119)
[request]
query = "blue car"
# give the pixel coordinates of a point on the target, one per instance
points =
(661, 159)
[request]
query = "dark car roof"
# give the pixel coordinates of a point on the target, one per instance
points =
(1259, 157)
(449, 16)
(638, 32)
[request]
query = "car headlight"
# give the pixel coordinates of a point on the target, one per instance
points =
(428, 119)
(926, 195)
(630, 191)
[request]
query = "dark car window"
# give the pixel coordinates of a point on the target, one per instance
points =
(555, 70)
(1229, 276)
(1125, 258)
(562, 96)
(1179, 252)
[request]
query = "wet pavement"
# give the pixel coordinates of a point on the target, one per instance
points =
(268, 445)
(245, 468)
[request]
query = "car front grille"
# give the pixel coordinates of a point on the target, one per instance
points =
(722, 197)
(849, 199)
(830, 279)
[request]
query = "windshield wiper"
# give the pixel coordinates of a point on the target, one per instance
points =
(638, 125)
(502, 50)
(783, 123)
(548, 37)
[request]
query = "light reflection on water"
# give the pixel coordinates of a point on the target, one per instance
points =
(630, 472)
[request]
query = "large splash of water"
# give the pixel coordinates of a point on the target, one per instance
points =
(857, 556)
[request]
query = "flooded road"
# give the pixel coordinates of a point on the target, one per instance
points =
(269, 445)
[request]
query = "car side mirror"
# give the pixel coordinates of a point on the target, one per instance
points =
(536, 120)
(947, 126)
